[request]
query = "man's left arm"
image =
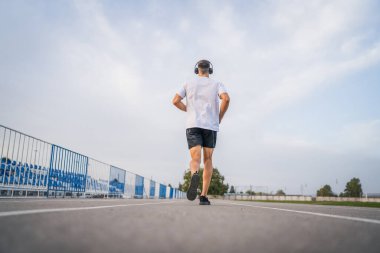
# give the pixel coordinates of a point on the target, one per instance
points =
(177, 102)
(224, 106)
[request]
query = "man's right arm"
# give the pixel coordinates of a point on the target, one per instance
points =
(177, 102)
(224, 106)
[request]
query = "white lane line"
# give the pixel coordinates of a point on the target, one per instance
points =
(31, 200)
(373, 221)
(372, 209)
(24, 212)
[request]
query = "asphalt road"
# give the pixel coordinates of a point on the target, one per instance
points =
(61, 225)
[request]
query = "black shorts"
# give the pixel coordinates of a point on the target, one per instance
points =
(199, 136)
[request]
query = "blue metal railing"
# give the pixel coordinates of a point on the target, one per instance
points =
(32, 167)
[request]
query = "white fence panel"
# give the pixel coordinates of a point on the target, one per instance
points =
(130, 180)
(97, 180)
(24, 164)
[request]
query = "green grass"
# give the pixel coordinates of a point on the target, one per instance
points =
(325, 203)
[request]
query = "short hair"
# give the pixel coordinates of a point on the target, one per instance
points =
(204, 70)
(204, 64)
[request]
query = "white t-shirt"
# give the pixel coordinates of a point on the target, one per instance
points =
(202, 102)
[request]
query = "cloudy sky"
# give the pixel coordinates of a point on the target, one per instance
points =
(98, 77)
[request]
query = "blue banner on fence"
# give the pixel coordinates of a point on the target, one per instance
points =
(162, 193)
(139, 187)
(68, 170)
(117, 181)
(152, 189)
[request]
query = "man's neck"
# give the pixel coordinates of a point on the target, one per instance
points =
(204, 75)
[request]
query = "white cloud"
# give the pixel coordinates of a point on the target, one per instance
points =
(356, 138)
(300, 84)
(99, 62)
(360, 138)
(108, 86)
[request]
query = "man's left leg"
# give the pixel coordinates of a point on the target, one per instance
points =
(208, 168)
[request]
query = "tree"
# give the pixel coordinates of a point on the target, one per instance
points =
(186, 183)
(217, 186)
(249, 192)
(232, 189)
(280, 193)
(353, 188)
(325, 191)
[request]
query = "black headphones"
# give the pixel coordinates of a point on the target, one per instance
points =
(210, 70)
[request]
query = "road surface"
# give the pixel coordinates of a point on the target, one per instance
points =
(91, 225)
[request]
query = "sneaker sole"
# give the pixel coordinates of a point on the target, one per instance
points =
(192, 191)
(204, 203)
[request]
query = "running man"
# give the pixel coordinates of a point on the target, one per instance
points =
(203, 119)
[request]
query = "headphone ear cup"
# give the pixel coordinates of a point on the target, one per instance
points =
(196, 71)
(210, 71)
